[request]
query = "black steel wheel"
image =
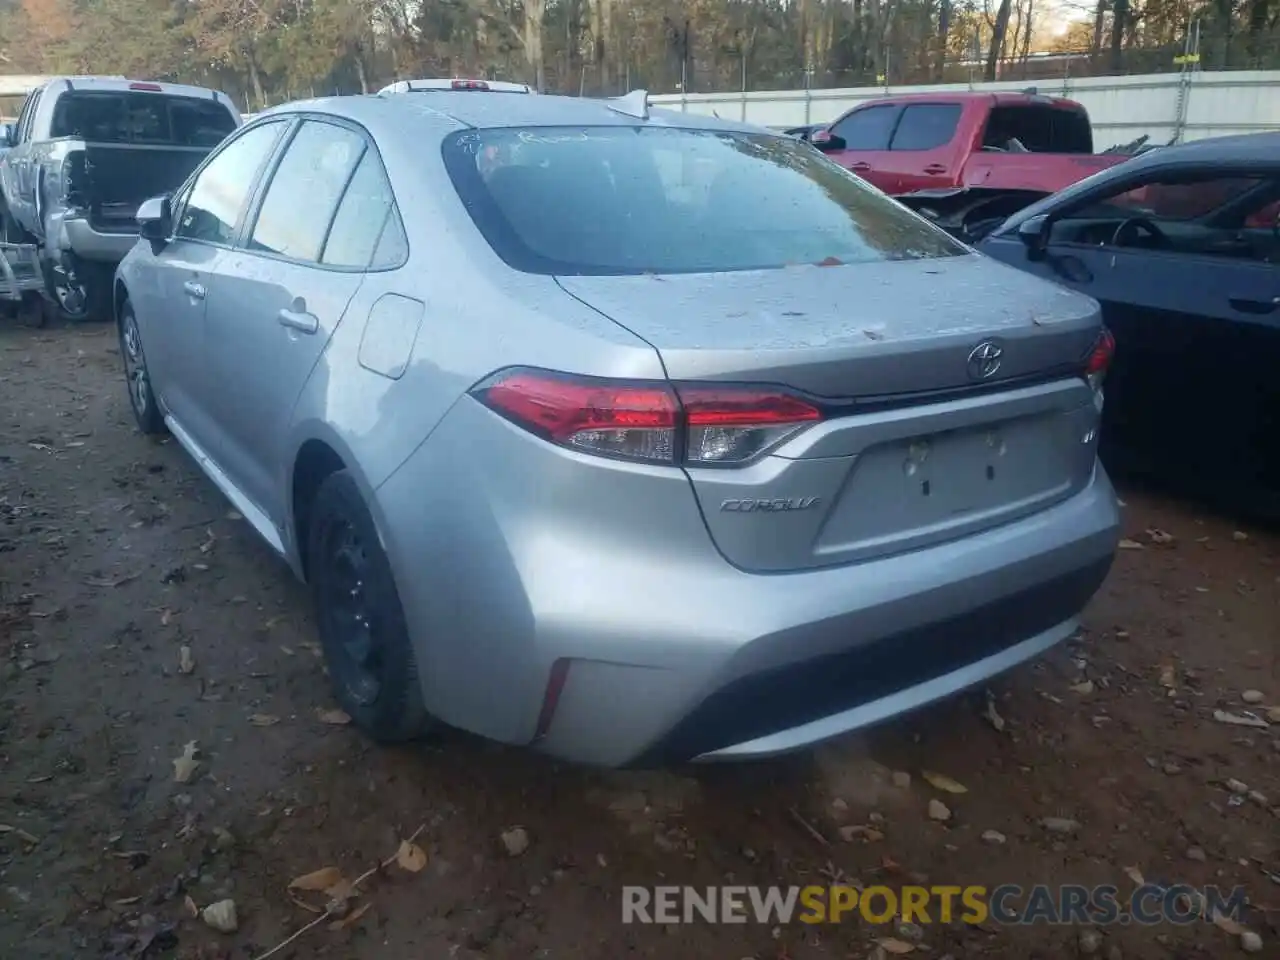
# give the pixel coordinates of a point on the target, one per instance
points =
(141, 397)
(362, 628)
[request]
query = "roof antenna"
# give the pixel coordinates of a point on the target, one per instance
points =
(634, 104)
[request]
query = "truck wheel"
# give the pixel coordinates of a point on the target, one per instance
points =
(80, 289)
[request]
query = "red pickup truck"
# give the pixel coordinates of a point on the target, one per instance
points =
(966, 158)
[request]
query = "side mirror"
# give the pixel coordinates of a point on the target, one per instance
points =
(827, 142)
(1034, 234)
(155, 219)
(8, 135)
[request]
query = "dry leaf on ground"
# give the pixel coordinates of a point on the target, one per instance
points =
(340, 895)
(944, 783)
(1245, 719)
(411, 857)
(186, 662)
(310, 908)
(317, 880)
(337, 718)
(892, 945)
(19, 833)
(189, 907)
(184, 767)
(352, 917)
(264, 720)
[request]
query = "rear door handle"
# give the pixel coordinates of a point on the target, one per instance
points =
(298, 320)
(194, 290)
(935, 168)
(1255, 306)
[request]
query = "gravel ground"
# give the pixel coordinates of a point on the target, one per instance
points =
(138, 615)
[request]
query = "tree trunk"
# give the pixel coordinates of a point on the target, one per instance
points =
(1099, 20)
(255, 79)
(533, 14)
(1119, 18)
(360, 74)
(944, 28)
(998, 31)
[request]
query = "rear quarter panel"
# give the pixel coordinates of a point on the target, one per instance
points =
(477, 316)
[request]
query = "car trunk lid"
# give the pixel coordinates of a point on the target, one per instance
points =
(913, 449)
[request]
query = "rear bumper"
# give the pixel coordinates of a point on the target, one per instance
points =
(82, 239)
(511, 555)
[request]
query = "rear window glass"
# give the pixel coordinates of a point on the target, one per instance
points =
(1038, 128)
(625, 200)
(119, 116)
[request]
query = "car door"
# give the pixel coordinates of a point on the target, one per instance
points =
(1197, 331)
(866, 132)
(172, 283)
(273, 305)
(17, 167)
(922, 150)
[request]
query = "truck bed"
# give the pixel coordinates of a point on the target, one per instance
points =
(117, 178)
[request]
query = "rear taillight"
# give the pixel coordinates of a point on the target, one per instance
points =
(733, 424)
(820, 136)
(74, 177)
(648, 421)
(1098, 362)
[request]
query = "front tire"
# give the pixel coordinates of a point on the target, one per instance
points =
(142, 399)
(362, 628)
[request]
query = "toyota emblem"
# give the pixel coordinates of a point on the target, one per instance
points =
(984, 360)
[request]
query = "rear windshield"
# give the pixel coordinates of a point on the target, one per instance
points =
(1038, 128)
(625, 200)
(120, 116)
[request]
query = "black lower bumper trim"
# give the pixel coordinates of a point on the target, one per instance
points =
(775, 700)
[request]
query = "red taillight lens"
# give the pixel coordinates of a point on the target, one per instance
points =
(637, 422)
(470, 85)
(1099, 358)
(698, 424)
(733, 424)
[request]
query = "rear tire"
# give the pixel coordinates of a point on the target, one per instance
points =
(142, 399)
(80, 289)
(366, 642)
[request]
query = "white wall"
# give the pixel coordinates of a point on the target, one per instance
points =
(1122, 108)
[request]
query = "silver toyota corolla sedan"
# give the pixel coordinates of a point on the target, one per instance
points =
(636, 436)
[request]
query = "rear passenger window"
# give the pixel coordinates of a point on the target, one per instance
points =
(366, 231)
(926, 126)
(299, 205)
(868, 128)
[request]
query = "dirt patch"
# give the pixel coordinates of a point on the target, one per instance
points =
(139, 614)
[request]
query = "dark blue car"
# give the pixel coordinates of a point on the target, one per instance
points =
(1182, 248)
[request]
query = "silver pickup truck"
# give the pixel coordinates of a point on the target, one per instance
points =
(85, 152)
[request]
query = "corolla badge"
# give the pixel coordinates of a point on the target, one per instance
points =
(984, 360)
(774, 505)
